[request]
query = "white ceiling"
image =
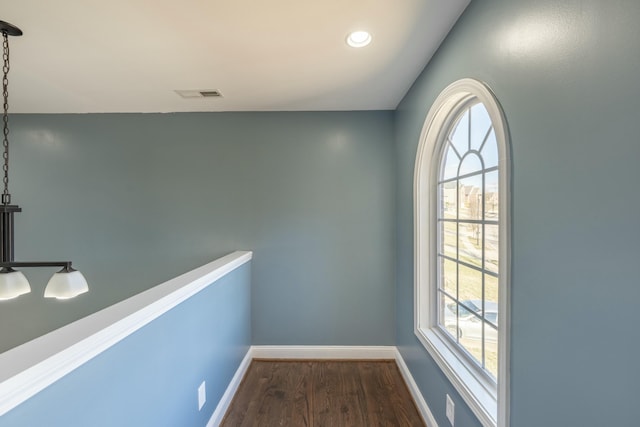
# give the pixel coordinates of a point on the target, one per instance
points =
(80, 56)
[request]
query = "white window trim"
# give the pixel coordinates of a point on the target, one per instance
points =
(488, 402)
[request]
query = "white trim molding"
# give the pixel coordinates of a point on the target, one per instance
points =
(227, 397)
(422, 405)
(323, 352)
(29, 368)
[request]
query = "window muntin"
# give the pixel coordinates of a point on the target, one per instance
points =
(467, 228)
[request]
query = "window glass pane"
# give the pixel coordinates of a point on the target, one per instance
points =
(490, 151)
(448, 239)
(492, 317)
(440, 202)
(470, 331)
(469, 283)
(467, 307)
(449, 276)
(447, 315)
(448, 201)
(460, 135)
(491, 201)
(480, 124)
(470, 197)
(491, 252)
(470, 163)
(490, 290)
(450, 164)
(491, 350)
(470, 243)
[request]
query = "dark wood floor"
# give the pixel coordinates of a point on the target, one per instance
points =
(322, 394)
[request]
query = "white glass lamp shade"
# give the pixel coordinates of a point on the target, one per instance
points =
(12, 283)
(66, 283)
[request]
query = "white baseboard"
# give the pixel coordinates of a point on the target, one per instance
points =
(322, 352)
(227, 397)
(424, 409)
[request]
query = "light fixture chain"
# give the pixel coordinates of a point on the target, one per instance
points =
(6, 197)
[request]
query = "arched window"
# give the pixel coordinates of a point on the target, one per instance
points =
(462, 245)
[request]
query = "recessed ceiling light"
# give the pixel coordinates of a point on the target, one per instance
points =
(359, 39)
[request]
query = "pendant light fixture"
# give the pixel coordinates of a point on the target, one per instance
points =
(66, 283)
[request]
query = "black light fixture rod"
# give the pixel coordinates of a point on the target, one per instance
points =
(64, 264)
(6, 231)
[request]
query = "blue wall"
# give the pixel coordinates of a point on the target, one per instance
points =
(313, 195)
(151, 377)
(136, 199)
(566, 74)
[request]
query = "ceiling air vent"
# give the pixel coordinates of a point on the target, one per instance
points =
(209, 93)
